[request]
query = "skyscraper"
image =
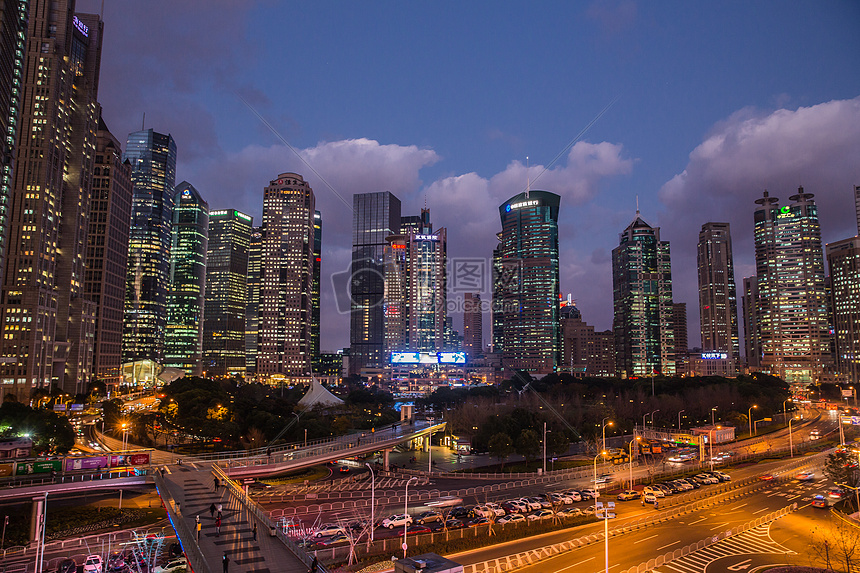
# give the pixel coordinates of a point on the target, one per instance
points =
(843, 258)
(679, 333)
(857, 205)
(792, 309)
(529, 289)
(286, 278)
(752, 330)
(48, 325)
(497, 317)
(183, 344)
(584, 351)
(642, 291)
(473, 324)
(153, 161)
(107, 254)
(315, 294)
(226, 293)
(252, 308)
(375, 217)
(415, 303)
(718, 306)
(13, 43)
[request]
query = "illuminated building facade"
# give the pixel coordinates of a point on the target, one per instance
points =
(252, 307)
(153, 162)
(643, 310)
(473, 324)
(286, 278)
(527, 287)
(315, 292)
(375, 217)
(184, 336)
(718, 307)
(843, 259)
(584, 351)
(792, 306)
(107, 254)
(47, 322)
(679, 333)
(226, 290)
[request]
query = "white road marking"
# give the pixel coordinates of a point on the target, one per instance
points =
(646, 539)
(761, 510)
(670, 545)
(697, 521)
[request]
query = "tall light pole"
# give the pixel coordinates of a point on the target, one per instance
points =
(372, 500)
(124, 436)
(596, 490)
(784, 410)
(790, 439)
(652, 416)
(711, 444)
(544, 447)
(631, 459)
(3, 539)
(749, 417)
(603, 431)
(406, 512)
(679, 419)
(712, 415)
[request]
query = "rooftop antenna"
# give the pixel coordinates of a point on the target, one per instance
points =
(528, 178)
(637, 205)
(143, 122)
(102, 12)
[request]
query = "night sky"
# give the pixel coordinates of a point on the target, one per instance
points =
(703, 107)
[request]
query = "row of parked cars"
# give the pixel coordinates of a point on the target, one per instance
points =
(652, 493)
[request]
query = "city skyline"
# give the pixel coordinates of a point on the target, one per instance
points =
(697, 133)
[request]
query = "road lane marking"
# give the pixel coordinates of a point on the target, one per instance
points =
(738, 507)
(697, 521)
(761, 510)
(794, 497)
(719, 526)
(646, 539)
(576, 564)
(670, 545)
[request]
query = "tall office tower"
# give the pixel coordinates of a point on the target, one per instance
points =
(752, 332)
(315, 293)
(473, 324)
(679, 333)
(252, 308)
(107, 254)
(584, 351)
(226, 291)
(843, 259)
(415, 303)
(48, 325)
(153, 163)
(857, 205)
(416, 223)
(718, 305)
(13, 36)
(529, 282)
(642, 292)
(497, 317)
(286, 278)
(183, 340)
(792, 309)
(375, 217)
(453, 342)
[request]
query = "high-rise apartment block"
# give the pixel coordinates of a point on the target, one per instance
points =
(718, 310)
(843, 258)
(107, 254)
(286, 278)
(226, 292)
(252, 306)
(752, 332)
(473, 324)
(315, 292)
(584, 351)
(857, 205)
(679, 333)
(642, 289)
(526, 288)
(792, 306)
(153, 162)
(48, 324)
(375, 217)
(183, 343)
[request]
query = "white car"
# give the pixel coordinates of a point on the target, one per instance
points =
(573, 494)
(496, 508)
(705, 478)
(519, 505)
(514, 517)
(532, 504)
(93, 564)
(806, 476)
(649, 497)
(397, 520)
(328, 529)
(172, 566)
(588, 493)
(655, 491)
(561, 498)
(484, 511)
(541, 515)
(570, 512)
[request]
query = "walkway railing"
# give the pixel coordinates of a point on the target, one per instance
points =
(197, 563)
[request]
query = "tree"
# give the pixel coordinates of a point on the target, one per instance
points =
(528, 445)
(500, 447)
(557, 443)
(841, 468)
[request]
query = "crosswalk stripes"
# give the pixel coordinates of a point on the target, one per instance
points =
(755, 540)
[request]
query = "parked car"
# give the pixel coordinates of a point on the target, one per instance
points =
(819, 501)
(460, 512)
(172, 566)
(397, 520)
(656, 491)
(570, 512)
(416, 530)
(557, 497)
(480, 521)
(497, 509)
(454, 524)
(67, 566)
(664, 488)
(541, 515)
(628, 495)
(690, 482)
(511, 518)
(93, 564)
(429, 517)
(573, 494)
(588, 493)
(805, 476)
(531, 503)
(328, 529)
(330, 541)
(649, 497)
(116, 564)
(706, 478)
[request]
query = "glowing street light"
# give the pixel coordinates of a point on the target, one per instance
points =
(603, 430)
(749, 417)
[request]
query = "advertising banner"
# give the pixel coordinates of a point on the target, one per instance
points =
(6, 470)
(38, 467)
(90, 463)
(120, 460)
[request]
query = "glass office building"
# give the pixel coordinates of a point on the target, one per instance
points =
(718, 304)
(843, 258)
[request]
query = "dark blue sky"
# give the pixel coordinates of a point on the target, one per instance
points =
(443, 101)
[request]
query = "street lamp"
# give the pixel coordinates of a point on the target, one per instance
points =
(790, 439)
(712, 415)
(124, 436)
(749, 417)
(604, 509)
(603, 431)
(679, 419)
(596, 490)
(406, 512)
(544, 447)
(784, 411)
(711, 443)
(652, 416)
(636, 439)
(372, 500)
